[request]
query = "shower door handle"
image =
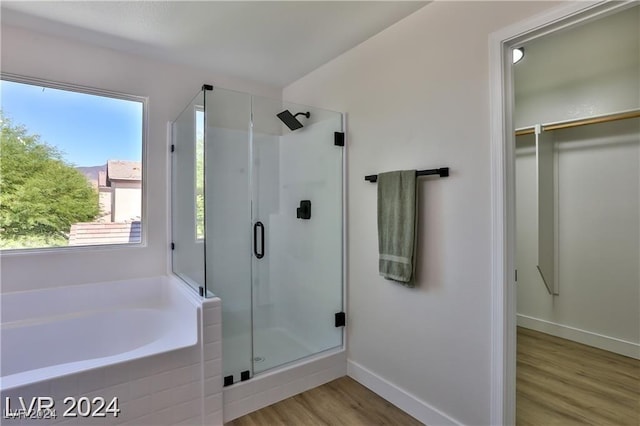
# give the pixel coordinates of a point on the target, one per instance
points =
(259, 254)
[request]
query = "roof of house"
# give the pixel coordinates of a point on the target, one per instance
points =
(124, 170)
(87, 234)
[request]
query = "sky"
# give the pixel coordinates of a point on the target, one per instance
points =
(88, 129)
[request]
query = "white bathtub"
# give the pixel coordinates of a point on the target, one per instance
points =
(46, 334)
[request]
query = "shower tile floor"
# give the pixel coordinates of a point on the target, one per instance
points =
(272, 347)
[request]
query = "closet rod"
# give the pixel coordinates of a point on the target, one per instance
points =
(581, 122)
(592, 120)
(525, 131)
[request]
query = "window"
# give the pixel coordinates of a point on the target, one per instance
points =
(71, 170)
(199, 173)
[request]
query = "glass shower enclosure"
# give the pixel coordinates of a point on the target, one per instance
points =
(257, 220)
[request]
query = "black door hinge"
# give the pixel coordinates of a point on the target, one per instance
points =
(340, 319)
(173, 246)
(338, 138)
(173, 147)
(516, 275)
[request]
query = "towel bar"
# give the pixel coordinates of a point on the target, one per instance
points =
(442, 172)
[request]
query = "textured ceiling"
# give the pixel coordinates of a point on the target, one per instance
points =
(270, 42)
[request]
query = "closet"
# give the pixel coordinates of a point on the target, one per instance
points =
(577, 120)
(577, 161)
(578, 230)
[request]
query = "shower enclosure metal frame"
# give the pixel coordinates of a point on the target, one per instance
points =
(281, 162)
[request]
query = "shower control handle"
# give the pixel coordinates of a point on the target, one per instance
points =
(259, 254)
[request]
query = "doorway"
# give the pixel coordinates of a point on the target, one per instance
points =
(577, 155)
(549, 259)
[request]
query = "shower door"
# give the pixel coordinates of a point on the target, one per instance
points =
(296, 195)
(279, 275)
(227, 223)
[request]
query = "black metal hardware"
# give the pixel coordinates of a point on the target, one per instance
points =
(442, 172)
(245, 375)
(173, 246)
(201, 291)
(207, 87)
(516, 275)
(173, 147)
(228, 380)
(338, 138)
(289, 119)
(259, 254)
(340, 319)
(304, 211)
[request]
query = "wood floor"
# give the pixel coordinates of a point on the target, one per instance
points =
(560, 382)
(340, 402)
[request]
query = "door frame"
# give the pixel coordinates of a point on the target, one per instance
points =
(503, 240)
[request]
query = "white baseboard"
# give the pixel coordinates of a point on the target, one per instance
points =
(399, 397)
(268, 388)
(601, 341)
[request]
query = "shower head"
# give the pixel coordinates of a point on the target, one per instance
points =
(290, 120)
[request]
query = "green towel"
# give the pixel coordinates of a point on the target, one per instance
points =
(397, 225)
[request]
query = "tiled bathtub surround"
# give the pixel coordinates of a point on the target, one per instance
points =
(182, 386)
(179, 387)
(60, 331)
(211, 400)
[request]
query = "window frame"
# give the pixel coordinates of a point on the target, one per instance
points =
(144, 100)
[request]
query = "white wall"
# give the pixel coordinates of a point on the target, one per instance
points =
(598, 190)
(588, 70)
(169, 88)
(417, 97)
(104, 202)
(126, 201)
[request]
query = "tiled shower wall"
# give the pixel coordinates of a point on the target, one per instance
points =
(182, 387)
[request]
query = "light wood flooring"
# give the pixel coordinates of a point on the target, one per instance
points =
(560, 382)
(340, 402)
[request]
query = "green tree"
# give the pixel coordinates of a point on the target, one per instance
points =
(41, 195)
